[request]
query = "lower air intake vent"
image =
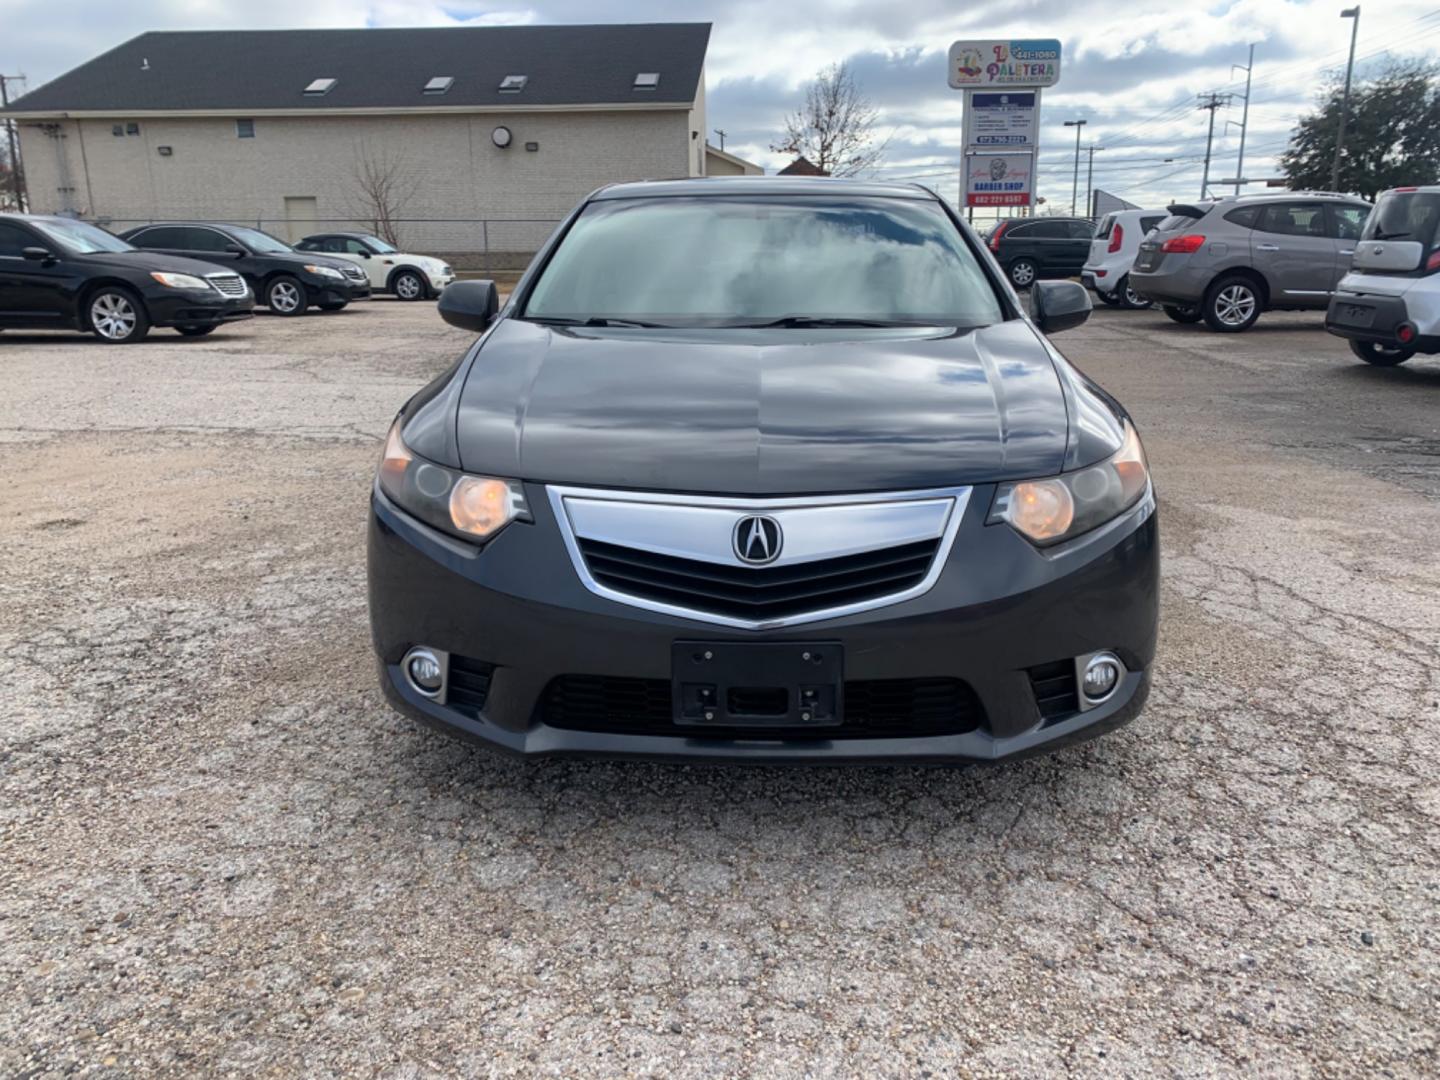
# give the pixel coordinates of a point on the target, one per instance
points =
(468, 685)
(1056, 694)
(874, 709)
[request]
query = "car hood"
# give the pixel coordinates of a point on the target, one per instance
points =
(155, 260)
(761, 411)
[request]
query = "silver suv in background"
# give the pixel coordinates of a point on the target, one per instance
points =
(1227, 260)
(1388, 306)
(1112, 253)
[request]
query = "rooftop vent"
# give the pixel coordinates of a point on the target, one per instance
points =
(439, 84)
(513, 84)
(320, 87)
(647, 80)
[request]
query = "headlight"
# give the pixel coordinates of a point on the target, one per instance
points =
(472, 507)
(179, 281)
(1060, 507)
(326, 271)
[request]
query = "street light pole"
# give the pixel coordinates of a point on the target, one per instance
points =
(1354, 14)
(1078, 125)
(1244, 118)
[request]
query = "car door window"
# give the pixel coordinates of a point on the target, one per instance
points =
(162, 236)
(1346, 222)
(1148, 223)
(210, 240)
(355, 247)
(1047, 230)
(14, 240)
(1293, 219)
(1082, 230)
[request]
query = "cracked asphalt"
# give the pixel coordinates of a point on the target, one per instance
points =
(221, 854)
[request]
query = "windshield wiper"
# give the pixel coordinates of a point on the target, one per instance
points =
(815, 320)
(593, 320)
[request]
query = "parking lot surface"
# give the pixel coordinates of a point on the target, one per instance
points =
(223, 854)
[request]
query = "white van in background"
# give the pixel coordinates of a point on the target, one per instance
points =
(1117, 241)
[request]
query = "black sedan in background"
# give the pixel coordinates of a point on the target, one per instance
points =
(283, 279)
(1047, 247)
(58, 273)
(823, 493)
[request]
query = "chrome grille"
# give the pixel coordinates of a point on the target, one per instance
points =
(836, 555)
(354, 273)
(229, 284)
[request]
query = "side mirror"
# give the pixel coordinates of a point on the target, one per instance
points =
(36, 254)
(363, 254)
(471, 305)
(1058, 305)
(236, 250)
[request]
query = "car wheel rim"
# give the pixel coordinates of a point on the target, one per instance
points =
(1234, 305)
(1023, 274)
(113, 316)
(408, 287)
(1133, 298)
(284, 297)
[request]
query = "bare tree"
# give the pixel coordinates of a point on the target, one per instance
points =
(834, 129)
(383, 185)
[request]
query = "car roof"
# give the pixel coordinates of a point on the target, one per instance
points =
(339, 232)
(762, 185)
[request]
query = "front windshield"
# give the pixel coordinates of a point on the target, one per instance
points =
(378, 246)
(81, 237)
(751, 261)
(1406, 215)
(260, 242)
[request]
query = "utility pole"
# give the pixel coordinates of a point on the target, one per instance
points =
(722, 133)
(17, 181)
(1211, 101)
(1089, 182)
(1244, 118)
(1348, 13)
(1078, 125)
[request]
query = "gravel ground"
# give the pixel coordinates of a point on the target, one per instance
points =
(222, 854)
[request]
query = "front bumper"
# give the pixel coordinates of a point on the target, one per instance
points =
(183, 307)
(520, 606)
(1386, 315)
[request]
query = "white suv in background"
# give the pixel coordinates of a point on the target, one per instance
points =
(1116, 243)
(410, 277)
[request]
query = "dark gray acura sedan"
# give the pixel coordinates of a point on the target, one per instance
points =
(770, 470)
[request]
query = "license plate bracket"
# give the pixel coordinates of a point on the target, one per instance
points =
(1360, 316)
(758, 684)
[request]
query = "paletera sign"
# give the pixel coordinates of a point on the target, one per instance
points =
(1004, 63)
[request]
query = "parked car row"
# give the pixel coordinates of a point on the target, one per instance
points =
(60, 273)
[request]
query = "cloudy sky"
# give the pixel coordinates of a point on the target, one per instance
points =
(1131, 69)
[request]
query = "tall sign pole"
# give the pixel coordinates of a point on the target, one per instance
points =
(1348, 13)
(1002, 81)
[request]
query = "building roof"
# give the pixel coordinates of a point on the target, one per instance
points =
(802, 166)
(239, 71)
(725, 155)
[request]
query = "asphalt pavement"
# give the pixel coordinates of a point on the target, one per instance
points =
(221, 854)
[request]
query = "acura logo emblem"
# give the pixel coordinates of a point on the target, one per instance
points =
(757, 540)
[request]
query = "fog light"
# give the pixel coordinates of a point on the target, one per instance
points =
(423, 672)
(1102, 675)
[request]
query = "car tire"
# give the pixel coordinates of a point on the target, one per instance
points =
(196, 331)
(1181, 313)
(408, 285)
(341, 306)
(1023, 273)
(1108, 299)
(284, 295)
(1127, 297)
(116, 316)
(1231, 305)
(1372, 352)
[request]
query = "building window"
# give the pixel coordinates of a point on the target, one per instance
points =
(132, 129)
(244, 129)
(513, 84)
(118, 129)
(439, 84)
(647, 80)
(320, 87)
